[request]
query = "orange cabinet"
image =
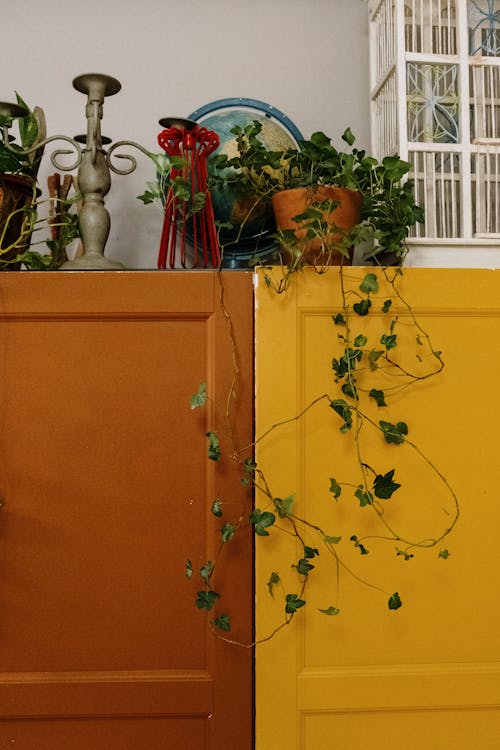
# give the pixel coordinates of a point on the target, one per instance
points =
(106, 487)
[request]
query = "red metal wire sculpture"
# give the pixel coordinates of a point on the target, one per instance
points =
(194, 144)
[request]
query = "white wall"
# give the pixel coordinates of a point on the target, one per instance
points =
(309, 58)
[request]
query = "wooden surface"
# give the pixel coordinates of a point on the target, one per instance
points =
(107, 490)
(428, 674)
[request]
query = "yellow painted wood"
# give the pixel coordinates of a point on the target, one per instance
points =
(427, 675)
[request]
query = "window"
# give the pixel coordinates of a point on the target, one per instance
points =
(435, 88)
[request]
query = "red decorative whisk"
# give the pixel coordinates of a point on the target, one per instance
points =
(182, 227)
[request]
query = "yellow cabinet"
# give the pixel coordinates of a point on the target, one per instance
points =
(428, 674)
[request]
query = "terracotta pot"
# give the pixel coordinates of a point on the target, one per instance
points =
(290, 203)
(16, 194)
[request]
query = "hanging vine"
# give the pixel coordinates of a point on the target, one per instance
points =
(365, 358)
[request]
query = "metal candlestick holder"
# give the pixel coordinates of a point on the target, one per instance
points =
(94, 166)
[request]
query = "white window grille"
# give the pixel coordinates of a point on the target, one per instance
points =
(435, 89)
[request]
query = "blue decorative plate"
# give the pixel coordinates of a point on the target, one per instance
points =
(278, 133)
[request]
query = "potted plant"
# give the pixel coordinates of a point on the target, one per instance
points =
(339, 197)
(18, 175)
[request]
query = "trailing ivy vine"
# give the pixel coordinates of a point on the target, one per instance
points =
(363, 355)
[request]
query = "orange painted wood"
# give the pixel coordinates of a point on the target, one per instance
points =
(107, 490)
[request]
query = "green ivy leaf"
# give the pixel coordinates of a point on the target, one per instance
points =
(213, 446)
(378, 397)
(348, 136)
(362, 308)
(223, 623)
(359, 546)
(394, 601)
(189, 569)
(147, 197)
(28, 126)
(229, 225)
(331, 611)
(36, 261)
(390, 342)
(216, 508)
(227, 532)
(309, 213)
(164, 163)
(206, 571)
(403, 553)
(339, 319)
(369, 283)
(335, 488)
(274, 579)
(198, 200)
(310, 552)
(331, 539)
(343, 409)
(384, 486)
(373, 357)
(249, 469)
(303, 566)
(349, 388)
(293, 603)
(360, 340)
(181, 188)
(364, 496)
(284, 506)
(347, 362)
(386, 306)
(200, 397)
(394, 433)
(206, 599)
(444, 554)
(262, 521)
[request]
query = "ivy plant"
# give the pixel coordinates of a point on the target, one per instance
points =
(255, 173)
(34, 227)
(172, 185)
(375, 329)
(31, 132)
